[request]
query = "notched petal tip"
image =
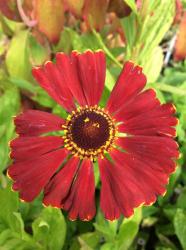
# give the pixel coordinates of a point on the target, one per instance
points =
(36, 71)
(8, 175)
(72, 219)
(48, 205)
(22, 200)
(88, 51)
(75, 53)
(100, 51)
(150, 203)
(48, 63)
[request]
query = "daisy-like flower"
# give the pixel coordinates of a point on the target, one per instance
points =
(131, 138)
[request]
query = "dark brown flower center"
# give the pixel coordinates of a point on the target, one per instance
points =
(89, 132)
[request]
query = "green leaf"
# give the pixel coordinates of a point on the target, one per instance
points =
(170, 188)
(9, 107)
(38, 53)
(164, 248)
(19, 225)
(84, 42)
(108, 246)
(89, 240)
(169, 211)
(17, 57)
(65, 43)
(129, 24)
(8, 205)
(156, 58)
(23, 84)
(104, 47)
(145, 31)
(181, 201)
(180, 226)
(106, 228)
(129, 229)
(109, 81)
(132, 4)
(149, 211)
(43, 98)
(49, 229)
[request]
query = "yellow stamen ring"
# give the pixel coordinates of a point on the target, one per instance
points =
(90, 132)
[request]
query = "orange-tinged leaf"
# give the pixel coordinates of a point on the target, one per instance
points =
(28, 6)
(179, 11)
(75, 6)
(50, 18)
(119, 7)
(180, 48)
(9, 9)
(95, 13)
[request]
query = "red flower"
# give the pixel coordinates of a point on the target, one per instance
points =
(131, 138)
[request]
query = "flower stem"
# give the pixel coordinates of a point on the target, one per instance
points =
(168, 88)
(107, 51)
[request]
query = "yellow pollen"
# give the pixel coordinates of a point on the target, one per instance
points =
(90, 132)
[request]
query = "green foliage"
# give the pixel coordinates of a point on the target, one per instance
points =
(48, 226)
(143, 37)
(129, 229)
(153, 21)
(49, 229)
(180, 226)
(18, 55)
(10, 102)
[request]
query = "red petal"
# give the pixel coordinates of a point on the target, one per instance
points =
(143, 102)
(80, 202)
(31, 176)
(67, 65)
(149, 145)
(51, 79)
(129, 84)
(91, 70)
(158, 152)
(158, 121)
(24, 148)
(58, 188)
(180, 48)
(149, 181)
(108, 203)
(35, 122)
(125, 192)
(80, 76)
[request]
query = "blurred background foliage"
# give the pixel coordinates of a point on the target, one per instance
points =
(152, 33)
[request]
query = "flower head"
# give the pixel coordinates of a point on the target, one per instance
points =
(131, 138)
